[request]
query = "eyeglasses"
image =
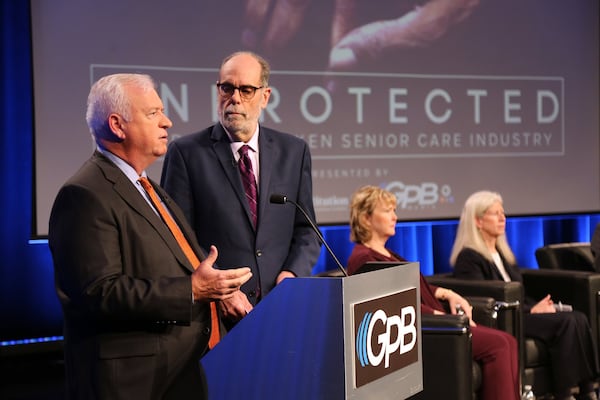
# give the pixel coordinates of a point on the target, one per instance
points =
(247, 92)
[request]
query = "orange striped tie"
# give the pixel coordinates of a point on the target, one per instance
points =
(187, 249)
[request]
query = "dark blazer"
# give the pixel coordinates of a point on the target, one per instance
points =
(130, 328)
(200, 173)
(470, 264)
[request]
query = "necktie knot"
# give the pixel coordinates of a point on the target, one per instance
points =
(145, 182)
(244, 150)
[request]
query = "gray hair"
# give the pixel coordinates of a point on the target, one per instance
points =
(109, 95)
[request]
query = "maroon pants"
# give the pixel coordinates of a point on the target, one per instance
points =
(497, 352)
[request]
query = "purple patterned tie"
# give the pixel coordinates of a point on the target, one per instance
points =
(249, 181)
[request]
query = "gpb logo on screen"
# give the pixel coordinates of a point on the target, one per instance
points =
(385, 335)
(422, 195)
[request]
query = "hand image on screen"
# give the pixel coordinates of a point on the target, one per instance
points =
(352, 43)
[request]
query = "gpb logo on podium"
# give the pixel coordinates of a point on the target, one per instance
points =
(385, 335)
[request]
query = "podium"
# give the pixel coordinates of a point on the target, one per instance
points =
(356, 337)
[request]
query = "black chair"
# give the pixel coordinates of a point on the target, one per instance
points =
(577, 288)
(534, 361)
(574, 256)
(444, 338)
(448, 338)
(580, 289)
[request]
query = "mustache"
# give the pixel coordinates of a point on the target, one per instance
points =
(233, 111)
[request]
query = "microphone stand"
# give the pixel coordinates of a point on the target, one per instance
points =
(281, 199)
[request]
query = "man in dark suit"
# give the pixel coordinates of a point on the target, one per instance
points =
(201, 173)
(136, 311)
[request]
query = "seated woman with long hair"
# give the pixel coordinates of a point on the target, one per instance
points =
(372, 222)
(481, 251)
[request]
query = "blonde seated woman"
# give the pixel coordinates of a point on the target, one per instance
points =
(372, 222)
(481, 251)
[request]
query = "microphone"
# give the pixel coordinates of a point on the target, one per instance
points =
(282, 199)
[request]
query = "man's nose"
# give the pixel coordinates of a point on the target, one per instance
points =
(166, 122)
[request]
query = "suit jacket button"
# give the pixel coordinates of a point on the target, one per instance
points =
(206, 331)
(252, 293)
(258, 253)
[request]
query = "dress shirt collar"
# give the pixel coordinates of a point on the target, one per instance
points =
(252, 143)
(127, 169)
(129, 172)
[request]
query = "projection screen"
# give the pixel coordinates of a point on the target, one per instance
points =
(432, 100)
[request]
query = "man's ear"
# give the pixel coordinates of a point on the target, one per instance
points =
(116, 124)
(266, 95)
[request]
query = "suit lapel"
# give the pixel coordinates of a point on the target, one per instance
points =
(134, 199)
(222, 148)
(267, 153)
(180, 220)
(496, 271)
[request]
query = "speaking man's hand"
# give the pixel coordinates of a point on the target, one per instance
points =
(215, 284)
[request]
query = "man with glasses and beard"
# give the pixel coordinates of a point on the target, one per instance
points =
(223, 177)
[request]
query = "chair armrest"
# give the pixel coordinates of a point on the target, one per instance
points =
(508, 294)
(499, 290)
(444, 324)
(509, 300)
(484, 310)
(448, 338)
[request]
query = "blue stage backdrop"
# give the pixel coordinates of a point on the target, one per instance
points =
(28, 304)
